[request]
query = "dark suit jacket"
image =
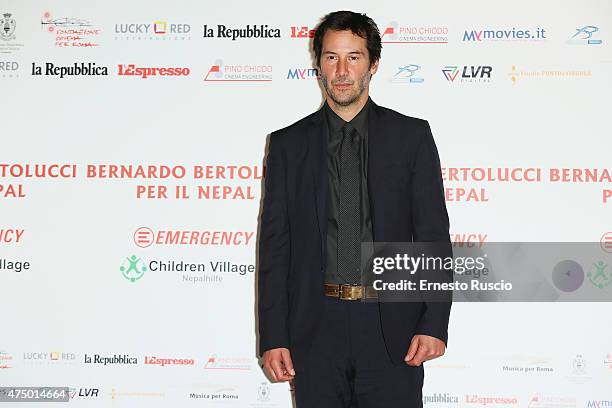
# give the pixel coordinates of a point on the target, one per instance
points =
(407, 204)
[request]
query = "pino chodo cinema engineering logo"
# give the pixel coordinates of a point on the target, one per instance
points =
(221, 72)
(396, 33)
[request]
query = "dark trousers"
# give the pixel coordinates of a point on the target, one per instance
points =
(349, 365)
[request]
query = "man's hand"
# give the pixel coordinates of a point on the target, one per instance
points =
(423, 348)
(278, 365)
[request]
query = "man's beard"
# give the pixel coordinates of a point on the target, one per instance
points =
(350, 98)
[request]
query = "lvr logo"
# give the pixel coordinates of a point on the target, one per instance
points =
(469, 72)
(131, 268)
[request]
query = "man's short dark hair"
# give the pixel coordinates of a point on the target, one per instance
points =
(359, 24)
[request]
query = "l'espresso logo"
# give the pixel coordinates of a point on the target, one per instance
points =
(261, 31)
(146, 72)
(88, 69)
(159, 30)
(302, 32)
(162, 362)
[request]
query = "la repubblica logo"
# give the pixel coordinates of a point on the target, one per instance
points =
(132, 268)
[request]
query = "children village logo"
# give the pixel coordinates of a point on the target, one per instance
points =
(600, 275)
(133, 268)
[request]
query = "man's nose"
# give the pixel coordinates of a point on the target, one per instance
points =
(341, 68)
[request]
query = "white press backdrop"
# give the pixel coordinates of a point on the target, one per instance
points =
(545, 106)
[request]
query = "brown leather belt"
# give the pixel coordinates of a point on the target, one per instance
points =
(350, 292)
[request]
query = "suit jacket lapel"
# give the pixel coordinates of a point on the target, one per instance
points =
(317, 136)
(375, 158)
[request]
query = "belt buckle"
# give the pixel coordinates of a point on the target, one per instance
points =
(352, 292)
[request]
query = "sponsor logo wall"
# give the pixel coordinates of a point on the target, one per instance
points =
(131, 171)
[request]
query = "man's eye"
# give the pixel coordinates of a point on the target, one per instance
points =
(354, 58)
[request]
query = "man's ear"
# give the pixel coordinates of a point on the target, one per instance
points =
(374, 67)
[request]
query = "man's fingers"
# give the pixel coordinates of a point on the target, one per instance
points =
(420, 356)
(271, 372)
(280, 371)
(287, 361)
(277, 367)
(414, 345)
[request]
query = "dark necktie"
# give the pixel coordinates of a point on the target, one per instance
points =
(349, 217)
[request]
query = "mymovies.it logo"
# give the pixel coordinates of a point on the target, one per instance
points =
(131, 70)
(303, 73)
(261, 31)
(83, 69)
(599, 404)
(504, 34)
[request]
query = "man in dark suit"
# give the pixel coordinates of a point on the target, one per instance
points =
(349, 173)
